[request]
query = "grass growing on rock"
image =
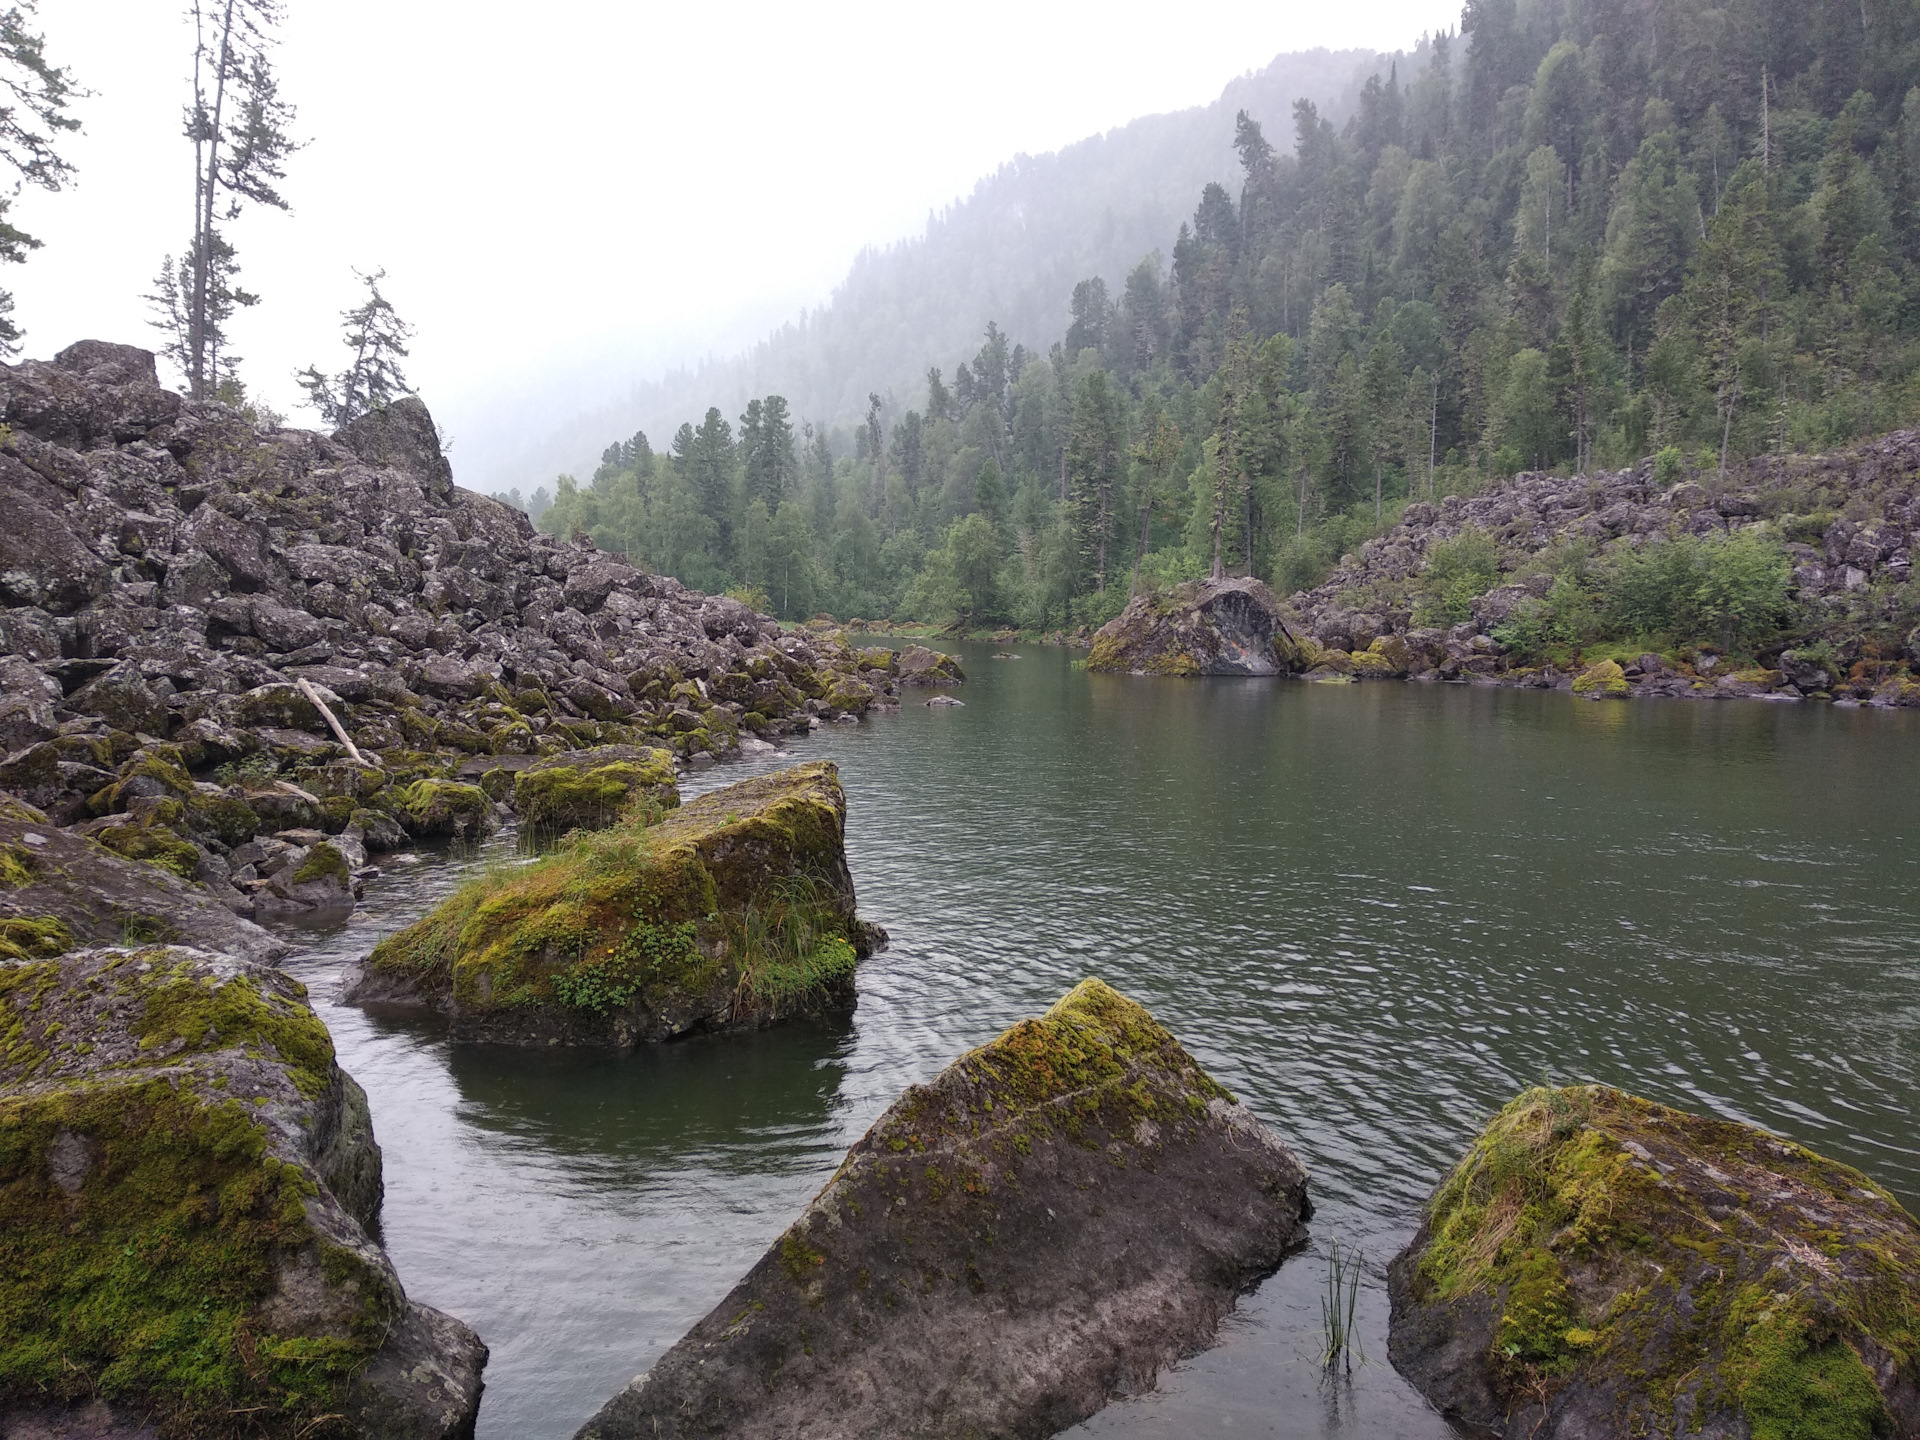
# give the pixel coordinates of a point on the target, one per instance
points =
(1697, 1262)
(740, 890)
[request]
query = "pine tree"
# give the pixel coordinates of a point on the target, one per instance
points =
(378, 337)
(34, 96)
(239, 127)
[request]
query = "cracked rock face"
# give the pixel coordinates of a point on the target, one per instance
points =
(1058, 1216)
(189, 1190)
(1205, 627)
(1599, 1265)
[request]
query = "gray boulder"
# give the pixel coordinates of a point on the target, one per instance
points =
(1060, 1215)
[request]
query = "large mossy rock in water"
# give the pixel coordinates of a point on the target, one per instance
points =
(732, 912)
(188, 1183)
(1059, 1215)
(1205, 627)
(1600, 1265)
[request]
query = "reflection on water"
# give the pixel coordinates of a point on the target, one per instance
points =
(1374, 911)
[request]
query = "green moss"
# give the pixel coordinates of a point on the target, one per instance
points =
(1792, 1386)
(1606, 678)
(1589, 1217)
(155, 845)
(323, 861)
(23, 989)
(556, 798)
(143, 1284)
(17, 866)
(185, 1011)
(441, 807)
(736, 890)
(35, 937)
(798, 1258)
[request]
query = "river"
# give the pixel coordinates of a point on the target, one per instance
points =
(1374, 911)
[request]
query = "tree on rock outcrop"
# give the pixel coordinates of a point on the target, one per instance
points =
(378, 337)
(239, 127)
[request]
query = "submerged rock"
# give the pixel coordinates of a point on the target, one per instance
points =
(1599, 1265)
(1205, 627)
(188, 1190)
(1058, 1216)
(732, 912)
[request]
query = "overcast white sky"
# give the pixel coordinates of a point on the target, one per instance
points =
(572, 188)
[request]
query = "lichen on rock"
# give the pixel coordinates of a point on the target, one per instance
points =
(187, 1182)
(734, 911)
(1601, 1265)
(1055, 1218)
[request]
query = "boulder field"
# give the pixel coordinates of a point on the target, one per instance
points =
(223, 644)
(732, 912)
(1599, 1265)
(1848, 524)
(189, 1194)
(1058, 1216)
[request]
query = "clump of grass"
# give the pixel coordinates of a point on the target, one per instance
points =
(1337, 1306)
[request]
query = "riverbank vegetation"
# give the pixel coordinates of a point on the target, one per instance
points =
(1565, 242)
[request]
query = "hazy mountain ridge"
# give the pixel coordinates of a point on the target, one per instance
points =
(1010, 252)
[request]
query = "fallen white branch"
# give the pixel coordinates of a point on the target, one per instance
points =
(339, 731)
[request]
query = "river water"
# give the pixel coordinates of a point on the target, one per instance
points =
(1374, 911)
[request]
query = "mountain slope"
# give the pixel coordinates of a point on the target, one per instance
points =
(1010, 252)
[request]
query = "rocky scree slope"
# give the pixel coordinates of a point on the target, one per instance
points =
(170, 574)
(189, 1191)
(1849, 521)
(1056, 1217)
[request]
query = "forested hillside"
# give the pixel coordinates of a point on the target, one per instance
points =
(1579, 235)
(1010, 251)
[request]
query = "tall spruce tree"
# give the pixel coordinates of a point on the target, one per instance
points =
(241, 134)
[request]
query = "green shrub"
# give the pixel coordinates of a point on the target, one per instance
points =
(1457, 572)
(1667, 465)
(1728, 589)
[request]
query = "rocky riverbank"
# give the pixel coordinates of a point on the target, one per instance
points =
(257, 658)
(1510, 587)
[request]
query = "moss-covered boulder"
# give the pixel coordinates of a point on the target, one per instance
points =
(103, 898)
(732, 912)
(1603, 679)
(1601, 1265)
(1058, 1216)
(187, 1187)
(440, 809)
(919, 665)
(590, 789)
(1205, 627)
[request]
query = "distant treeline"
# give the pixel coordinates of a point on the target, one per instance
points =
(1581, 235)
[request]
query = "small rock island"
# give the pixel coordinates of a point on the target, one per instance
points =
(732, 912)
(1058, 1216)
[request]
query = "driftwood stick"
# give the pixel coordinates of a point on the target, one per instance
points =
(339, 731)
